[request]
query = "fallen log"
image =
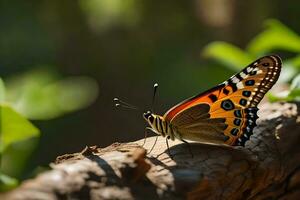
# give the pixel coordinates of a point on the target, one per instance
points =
(268, 167)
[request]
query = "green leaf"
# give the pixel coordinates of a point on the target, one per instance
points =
(7, 183)
(40, 95)
(16, 134)
(14, 127)
(79, 92)
(287, 73)
(294, 62)
(290, 69)
(2, 91)
(228, 54)
(293, 94)
(106, 13)
(276, 36)
(15, 157)
(295, 83)
(282, 96)
(19, 86)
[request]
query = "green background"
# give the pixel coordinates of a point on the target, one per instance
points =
(120, 48)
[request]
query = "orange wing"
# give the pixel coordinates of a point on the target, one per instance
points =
(236, 99)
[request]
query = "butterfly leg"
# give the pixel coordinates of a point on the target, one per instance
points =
(146, 131)
(169, 152)
(188, 145)
(153, 144)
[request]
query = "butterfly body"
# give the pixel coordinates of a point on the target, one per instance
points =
(225, 114)
(193, 132)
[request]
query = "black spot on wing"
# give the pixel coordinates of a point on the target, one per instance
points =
(213, 97)
(243, 102)
(266, 64)
(227, 104)
(225, 91)
(245, 70)
(239, 76)
(252, 73)
(246, 93)
(226, 137)
(272, 65)
(249, 82)
(247, 131)
(232, 85)
(234, 131)
(238, 113)
(237, 122)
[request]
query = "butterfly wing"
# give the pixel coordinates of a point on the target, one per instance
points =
(230, 107)
(196, 123)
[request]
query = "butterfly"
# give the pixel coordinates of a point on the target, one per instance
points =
(224, 114)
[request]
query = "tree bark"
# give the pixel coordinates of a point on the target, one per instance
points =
(268, 167)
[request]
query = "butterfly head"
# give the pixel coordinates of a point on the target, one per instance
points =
(149, 117)
(156, 122)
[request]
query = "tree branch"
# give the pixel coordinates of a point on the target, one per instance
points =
(268, 167)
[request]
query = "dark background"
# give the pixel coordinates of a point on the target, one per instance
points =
(127, 46)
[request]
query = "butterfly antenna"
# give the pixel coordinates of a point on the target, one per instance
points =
(155, 86)
(123, 104)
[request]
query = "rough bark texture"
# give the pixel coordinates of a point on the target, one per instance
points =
(268, 167)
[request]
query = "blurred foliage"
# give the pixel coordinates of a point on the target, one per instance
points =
(105, 14)
(42, 95)
(231, 56)
(123, 44)
(275, 36)
(2, 91)
(14, 127)
(7, 183)
(38, 95)
(293, 94)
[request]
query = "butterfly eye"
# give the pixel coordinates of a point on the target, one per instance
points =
(151, 119)
(147, 114)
